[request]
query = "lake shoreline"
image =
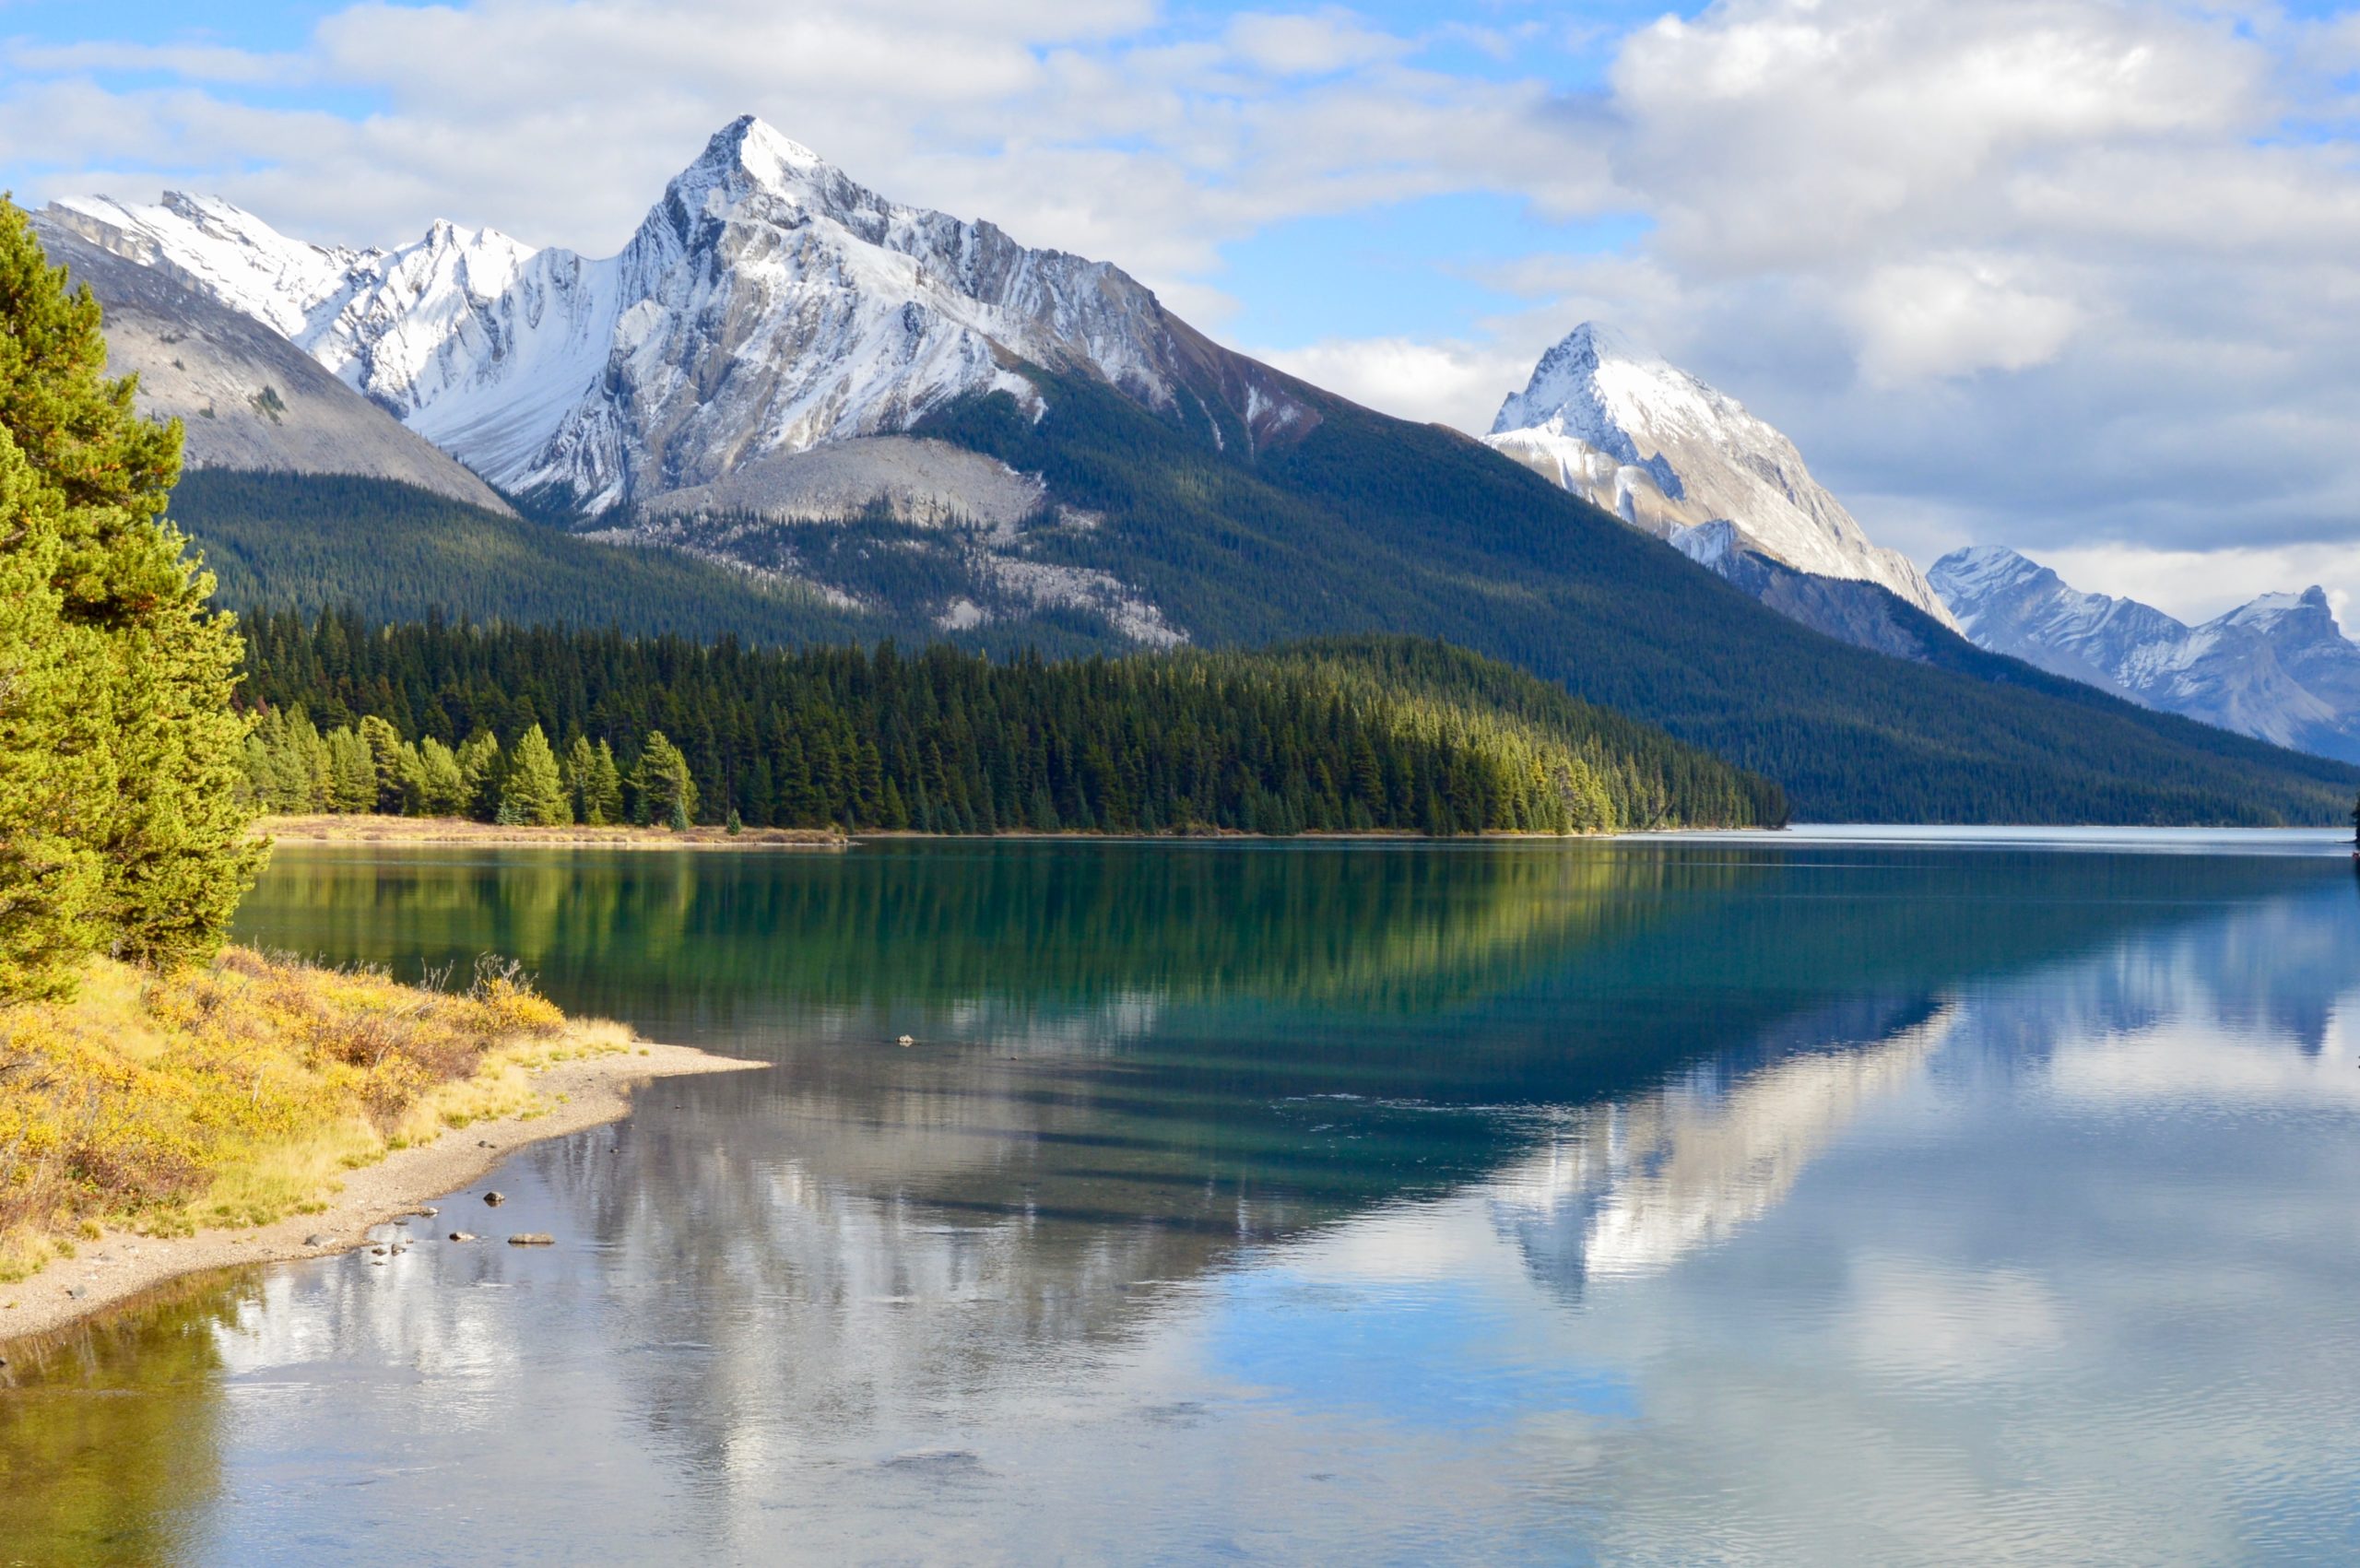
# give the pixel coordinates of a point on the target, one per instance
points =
(367, 827)
(122, 1266)
(378, 832)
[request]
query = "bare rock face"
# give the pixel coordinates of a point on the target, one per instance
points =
(245, 397)
(930, 483)
(1666, 453)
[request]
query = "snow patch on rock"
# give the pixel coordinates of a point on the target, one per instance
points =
(1643, 439)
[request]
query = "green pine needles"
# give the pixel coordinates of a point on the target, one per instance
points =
(1370, 734)
(123, 821)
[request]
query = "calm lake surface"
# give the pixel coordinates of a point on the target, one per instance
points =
(1712, 1200)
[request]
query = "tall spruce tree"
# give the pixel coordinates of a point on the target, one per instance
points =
(151, 669)
(533, 793)
(665, 788)
(54, 768)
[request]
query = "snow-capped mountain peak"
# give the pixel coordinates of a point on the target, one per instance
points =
(767, 303)
(1621, 426)
(750, 154)
(221, 250)
(1979, 572)
(2278, 668)
(2270, 610)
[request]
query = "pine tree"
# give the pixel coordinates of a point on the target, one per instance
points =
(593, 786)
(662, 784)
(606, 791)
(443, 790)
(55, 767)
(386, 761)
(353, 773)
(581, 764)
(170, 827)
(481, 769)
(532, 792)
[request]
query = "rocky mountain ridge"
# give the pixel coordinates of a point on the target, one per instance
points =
(2278, 668)
(1670, 455)
(767, 304)
(247, 398)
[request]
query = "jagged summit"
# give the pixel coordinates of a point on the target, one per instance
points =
(2278, 667)
(767, 304)
(2268, 609)
(247, 397)
(1612, 420)
(749, 157)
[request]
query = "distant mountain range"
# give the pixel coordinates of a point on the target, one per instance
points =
(896, 423)
(2278, 668)
(767, 304)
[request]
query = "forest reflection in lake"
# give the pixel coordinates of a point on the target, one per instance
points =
(1744, 1201)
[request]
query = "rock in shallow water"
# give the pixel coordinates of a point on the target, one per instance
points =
(463, 1235)
(532, 1239)
(495, 1198)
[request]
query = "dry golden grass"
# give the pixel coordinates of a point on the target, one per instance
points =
(237, 1093)
(365, 828)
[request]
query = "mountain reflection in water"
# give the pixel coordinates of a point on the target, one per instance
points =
(1735, 1200)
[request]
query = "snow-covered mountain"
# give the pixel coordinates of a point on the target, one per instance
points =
(1651, 443)
(247, 397)
(2279, 668)
(766, 305)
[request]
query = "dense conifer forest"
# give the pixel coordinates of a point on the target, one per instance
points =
(393, 552)
(552, 726)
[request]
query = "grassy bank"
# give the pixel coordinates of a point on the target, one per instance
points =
(240, 1093)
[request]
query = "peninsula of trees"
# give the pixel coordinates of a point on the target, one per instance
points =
(548, 726)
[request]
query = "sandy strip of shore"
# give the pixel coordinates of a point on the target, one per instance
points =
(122, 1264)
(365, 828)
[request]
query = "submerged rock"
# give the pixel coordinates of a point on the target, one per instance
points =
(532, 1239)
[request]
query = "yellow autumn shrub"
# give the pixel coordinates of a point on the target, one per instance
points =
(234, 1092)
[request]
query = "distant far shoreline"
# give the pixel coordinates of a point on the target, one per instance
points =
(369, 829)
(365, 828)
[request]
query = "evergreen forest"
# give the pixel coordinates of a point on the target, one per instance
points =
(552, 726)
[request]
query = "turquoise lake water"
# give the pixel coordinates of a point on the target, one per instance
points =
(1751, 1200)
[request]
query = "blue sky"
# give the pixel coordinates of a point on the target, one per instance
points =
(2075, 276)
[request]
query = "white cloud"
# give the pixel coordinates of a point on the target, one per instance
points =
(1080, 126)
(2078, 275)
(1935, 318)
(1316, 44)
(1435, 381)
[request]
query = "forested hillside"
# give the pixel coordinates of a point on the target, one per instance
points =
(549, 726)
(1366, 524)
(1370, 523)
(393, 552)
